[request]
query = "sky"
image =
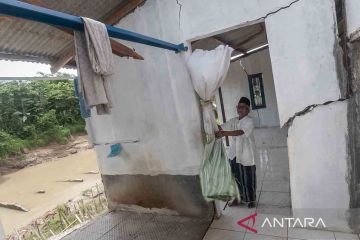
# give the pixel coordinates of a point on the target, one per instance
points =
(26, 69)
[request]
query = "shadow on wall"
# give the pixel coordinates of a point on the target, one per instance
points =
(177, 194)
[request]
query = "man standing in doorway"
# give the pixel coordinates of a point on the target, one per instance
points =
(242, 152)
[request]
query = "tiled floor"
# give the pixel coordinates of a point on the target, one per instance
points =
(273, 185)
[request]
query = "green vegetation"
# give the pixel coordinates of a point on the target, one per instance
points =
(35, 113)
(65, 216)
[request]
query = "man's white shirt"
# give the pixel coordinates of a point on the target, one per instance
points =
(242, 147)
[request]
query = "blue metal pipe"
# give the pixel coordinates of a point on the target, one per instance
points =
(48, 16)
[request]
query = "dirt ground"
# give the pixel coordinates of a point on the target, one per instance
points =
(52, 152)
(40, 188)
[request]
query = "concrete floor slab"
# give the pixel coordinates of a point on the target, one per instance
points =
(125, 225)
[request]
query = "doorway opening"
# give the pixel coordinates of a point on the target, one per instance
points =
(250, 75)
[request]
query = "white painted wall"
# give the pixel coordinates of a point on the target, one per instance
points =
(314, 137)
(206, 17)
(301, 50)
(154, 102)
(318, 153)
(236, 85)
(352, 15)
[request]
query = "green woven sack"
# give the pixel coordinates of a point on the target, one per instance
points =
(217, 181)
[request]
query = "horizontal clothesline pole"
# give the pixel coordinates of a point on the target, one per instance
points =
(36, 78)
(39, 14)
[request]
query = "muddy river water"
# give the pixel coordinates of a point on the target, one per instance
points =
(21, 187)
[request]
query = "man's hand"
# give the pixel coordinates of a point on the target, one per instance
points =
(219, 134)
(222, 133)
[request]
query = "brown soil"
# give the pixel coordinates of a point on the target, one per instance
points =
(52, 152)
(22, 187)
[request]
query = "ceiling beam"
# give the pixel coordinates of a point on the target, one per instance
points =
(117, 49)
(218, 39)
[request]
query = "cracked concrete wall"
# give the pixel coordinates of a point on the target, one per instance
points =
(202, 18)
(309, 88)
(318, 172)
(154, 100)
(304, 71)
(156, 94)
(305, 57)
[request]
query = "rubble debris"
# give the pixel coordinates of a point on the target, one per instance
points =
(62, 155)
(13, 206)
(72, 180)
(24, 150)
(19, 165)
(91, 194)
(92, 172)
(73, 151)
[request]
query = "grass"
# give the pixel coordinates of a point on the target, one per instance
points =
(66, 216)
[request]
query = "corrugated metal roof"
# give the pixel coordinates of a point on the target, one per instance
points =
(32, 41)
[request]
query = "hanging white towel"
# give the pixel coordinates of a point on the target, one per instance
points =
(94, 62)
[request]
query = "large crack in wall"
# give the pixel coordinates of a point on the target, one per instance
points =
(340, 69)
(180, 7)
(309, 109)
(276, 11)
(342, 77)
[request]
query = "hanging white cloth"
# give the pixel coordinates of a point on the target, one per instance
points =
(208, 70)
(94, 62)
(99, 47)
